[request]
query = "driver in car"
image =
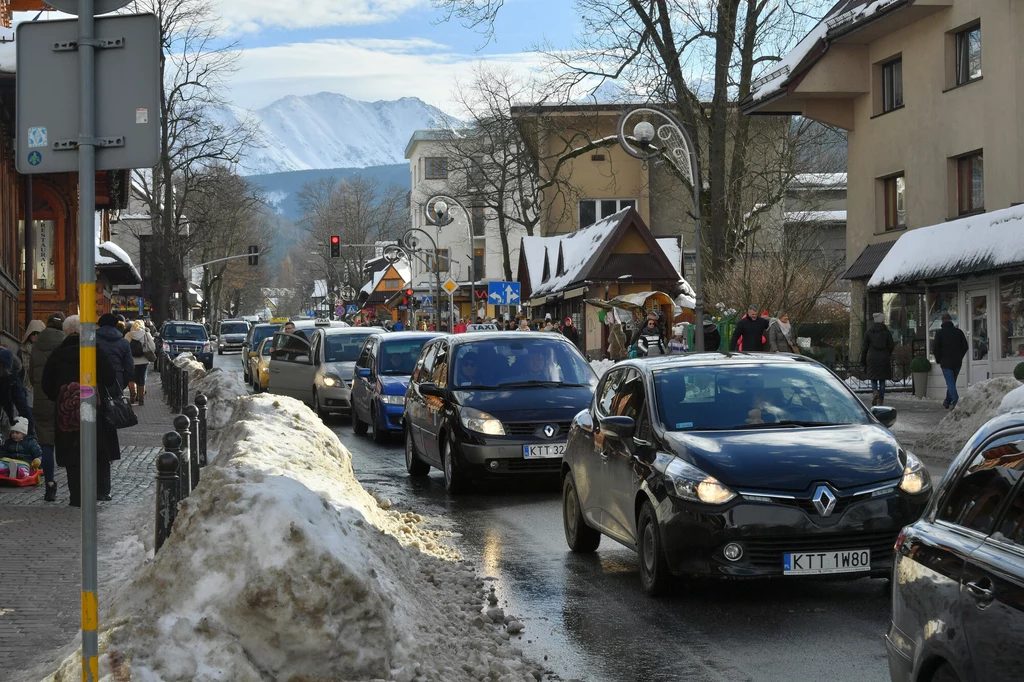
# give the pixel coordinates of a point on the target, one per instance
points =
(538, 365)
(394, 362)
(468, 370)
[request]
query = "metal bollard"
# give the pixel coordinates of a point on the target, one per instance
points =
(166, 495)
(184, 390)
(181, 425)
(192, 412)
(173, 443)
(201, 404)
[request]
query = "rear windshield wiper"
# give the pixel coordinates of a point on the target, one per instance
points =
(783, 423)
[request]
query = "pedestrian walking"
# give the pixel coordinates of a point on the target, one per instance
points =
(60, 384)
(677, 344)
(877, 356)
(712, 337)
(548, 326)
(44, 409)
(949, 348)
(617, 350)
(111, 342)
(650, 343)
(143, 349)
(569, 331)
(24, 355)
(780, 334)
(749, 335)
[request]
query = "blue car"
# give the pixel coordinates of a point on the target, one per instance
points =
(179, 337)
(381, 378)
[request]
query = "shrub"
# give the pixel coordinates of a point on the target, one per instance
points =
(1018, 371)
(920, 364)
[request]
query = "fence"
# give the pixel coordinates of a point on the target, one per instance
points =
(179, 467)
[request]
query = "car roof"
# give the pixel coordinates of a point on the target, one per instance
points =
(716, 360)
(398, 337)
(470, 337)
(198, 324)
(319, 324)
(333, 331)
(267, 324)
(235, 319)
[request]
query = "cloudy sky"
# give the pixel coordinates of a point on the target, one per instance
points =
(374, 49)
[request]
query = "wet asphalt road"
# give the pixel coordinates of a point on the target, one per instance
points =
(586, 617)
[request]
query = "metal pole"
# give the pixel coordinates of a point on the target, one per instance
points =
(182, 426)
(166, 496)
(698, 285)
(87, 347)
(30, 261)
(201, 404)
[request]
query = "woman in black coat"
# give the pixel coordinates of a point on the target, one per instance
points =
(877, 357)
(60, 384)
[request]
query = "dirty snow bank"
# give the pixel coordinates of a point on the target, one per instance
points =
(601, 366)
(282, 567)
(188, 361)
(977, 405)
(1014, 400)
(222, 390)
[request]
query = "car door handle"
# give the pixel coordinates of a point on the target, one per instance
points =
(981, 590)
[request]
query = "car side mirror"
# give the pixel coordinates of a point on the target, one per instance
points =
(884, 414)
(364, 372)
(252, 355)
(620, 427)
(431, 389)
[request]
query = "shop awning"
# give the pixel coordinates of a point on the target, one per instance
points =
(975, 245)
(868, 260)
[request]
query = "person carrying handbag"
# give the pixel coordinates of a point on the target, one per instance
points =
(143, 349)
(780, 335)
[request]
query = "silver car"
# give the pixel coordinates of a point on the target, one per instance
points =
(318, 371)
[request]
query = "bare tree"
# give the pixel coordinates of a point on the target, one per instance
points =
(194, 66)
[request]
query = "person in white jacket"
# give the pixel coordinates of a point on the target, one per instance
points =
(143, 352)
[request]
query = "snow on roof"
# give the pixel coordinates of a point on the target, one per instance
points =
(533, 252)
(320, 288)
(109, 253)
(974, 244)
(815, 217)
(576, 249)
(403, 269)
(819, 180)
(670, 245)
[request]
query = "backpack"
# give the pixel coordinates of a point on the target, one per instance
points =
(137, 350)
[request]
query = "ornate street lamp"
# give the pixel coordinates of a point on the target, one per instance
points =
(675, 146)
(441, 217)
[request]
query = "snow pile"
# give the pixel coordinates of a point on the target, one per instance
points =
(282, 567)
(977, 405)
(196, 369)
(601, 366)
(222, 390)
(1014, 400)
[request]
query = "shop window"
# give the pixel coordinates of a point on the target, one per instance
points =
(44, 257)
(941, 301)
(1011, 315)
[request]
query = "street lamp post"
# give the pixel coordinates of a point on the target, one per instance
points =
(676, 147)
(441, 217)
(409, 243)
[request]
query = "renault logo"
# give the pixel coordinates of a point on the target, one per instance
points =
(824, 500)
(550, 430)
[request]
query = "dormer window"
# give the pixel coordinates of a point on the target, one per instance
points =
(546, 275)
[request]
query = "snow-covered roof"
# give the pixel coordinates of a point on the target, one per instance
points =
(110, 254)
(576, 249)
(975, 244)
(401, 267)
(320, 288)
(670, 245)
(818, 180)
(815, 217)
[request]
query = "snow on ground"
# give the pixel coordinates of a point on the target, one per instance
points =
(601, 366)
(977, 405)
(222, 389)
(282, 567)
(1014, 400)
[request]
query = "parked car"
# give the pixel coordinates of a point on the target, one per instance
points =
(493, 403)
(256, 334)
(958, 582)
(317, 371)
(259, 365)
(231, 335)
(381, 379)
(186, 337)
(738, 465)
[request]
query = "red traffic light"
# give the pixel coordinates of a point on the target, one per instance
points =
(335, 239)
(408, 292)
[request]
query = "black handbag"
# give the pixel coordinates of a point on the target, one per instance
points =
(117, 411)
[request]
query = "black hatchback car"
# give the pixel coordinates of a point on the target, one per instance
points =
(958, 582)
(493, 403)
(738, 465)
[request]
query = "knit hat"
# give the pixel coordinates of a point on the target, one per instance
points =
(878, 317)
(108, 320)
(21, 426)
(55, 320)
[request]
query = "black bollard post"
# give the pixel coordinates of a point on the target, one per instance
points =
(172, 443)
(181, 425)
(192, 412)
(166, 495)
(201, 404)
(184, 390)
(175, 388)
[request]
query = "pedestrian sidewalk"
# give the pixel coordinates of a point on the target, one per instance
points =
(41, 547)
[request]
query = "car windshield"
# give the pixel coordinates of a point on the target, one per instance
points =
(398, 358)
(515, 363)
(260, 333)
(233, 328)
(343, 347)
(185, 332)
(753, 397)
(265, 348)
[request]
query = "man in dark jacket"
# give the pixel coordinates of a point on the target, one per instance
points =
(712, 337)
(112, 343)
(876, 356)
(44, 409)
(749, 334)
(569, 331)
(949, 349)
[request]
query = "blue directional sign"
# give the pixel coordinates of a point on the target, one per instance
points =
(503, 293)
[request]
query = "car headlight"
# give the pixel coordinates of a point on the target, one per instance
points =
(393, 399)
(333, 380)
(687, 482)
(481, 422)
(915, 476)
(206, 348)
(167, 348)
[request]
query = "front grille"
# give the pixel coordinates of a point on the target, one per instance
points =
(808, 506)
(526, 466)
(766, 552)
(532, 428)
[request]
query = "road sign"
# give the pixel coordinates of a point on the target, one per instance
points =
(127, 94)
(427, 301)
(99, 6)
(450, 285)
(352, 309)
(503, 293)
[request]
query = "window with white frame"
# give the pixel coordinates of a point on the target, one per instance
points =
(592, 210)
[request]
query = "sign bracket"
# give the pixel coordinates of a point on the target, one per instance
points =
(100, 43)
(72, 145)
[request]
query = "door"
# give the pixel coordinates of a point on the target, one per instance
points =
(362, 386)
(992, 588)
(978, 336)
(291, 366)
(620, 464)
(435, 406)
(589, 470)
(415, 405)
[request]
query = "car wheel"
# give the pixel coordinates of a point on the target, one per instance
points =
(454, 478)
(945, 673)
(578, 535)
(379, 435)
(358, 425)
(413, 464)
(654, 575)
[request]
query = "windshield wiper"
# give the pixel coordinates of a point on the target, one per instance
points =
(783, 424)
(537, 382)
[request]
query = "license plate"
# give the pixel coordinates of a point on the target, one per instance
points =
(544, 451)
(815, 563)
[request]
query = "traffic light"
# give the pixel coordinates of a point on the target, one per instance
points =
(335, 246)
(409, 300)
(254, 255)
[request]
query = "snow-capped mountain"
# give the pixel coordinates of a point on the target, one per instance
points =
(328, 130)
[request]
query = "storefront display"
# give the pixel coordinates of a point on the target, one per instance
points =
(941, 301)
(1011, 315)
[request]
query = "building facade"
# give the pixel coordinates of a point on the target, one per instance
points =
(931, 93)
